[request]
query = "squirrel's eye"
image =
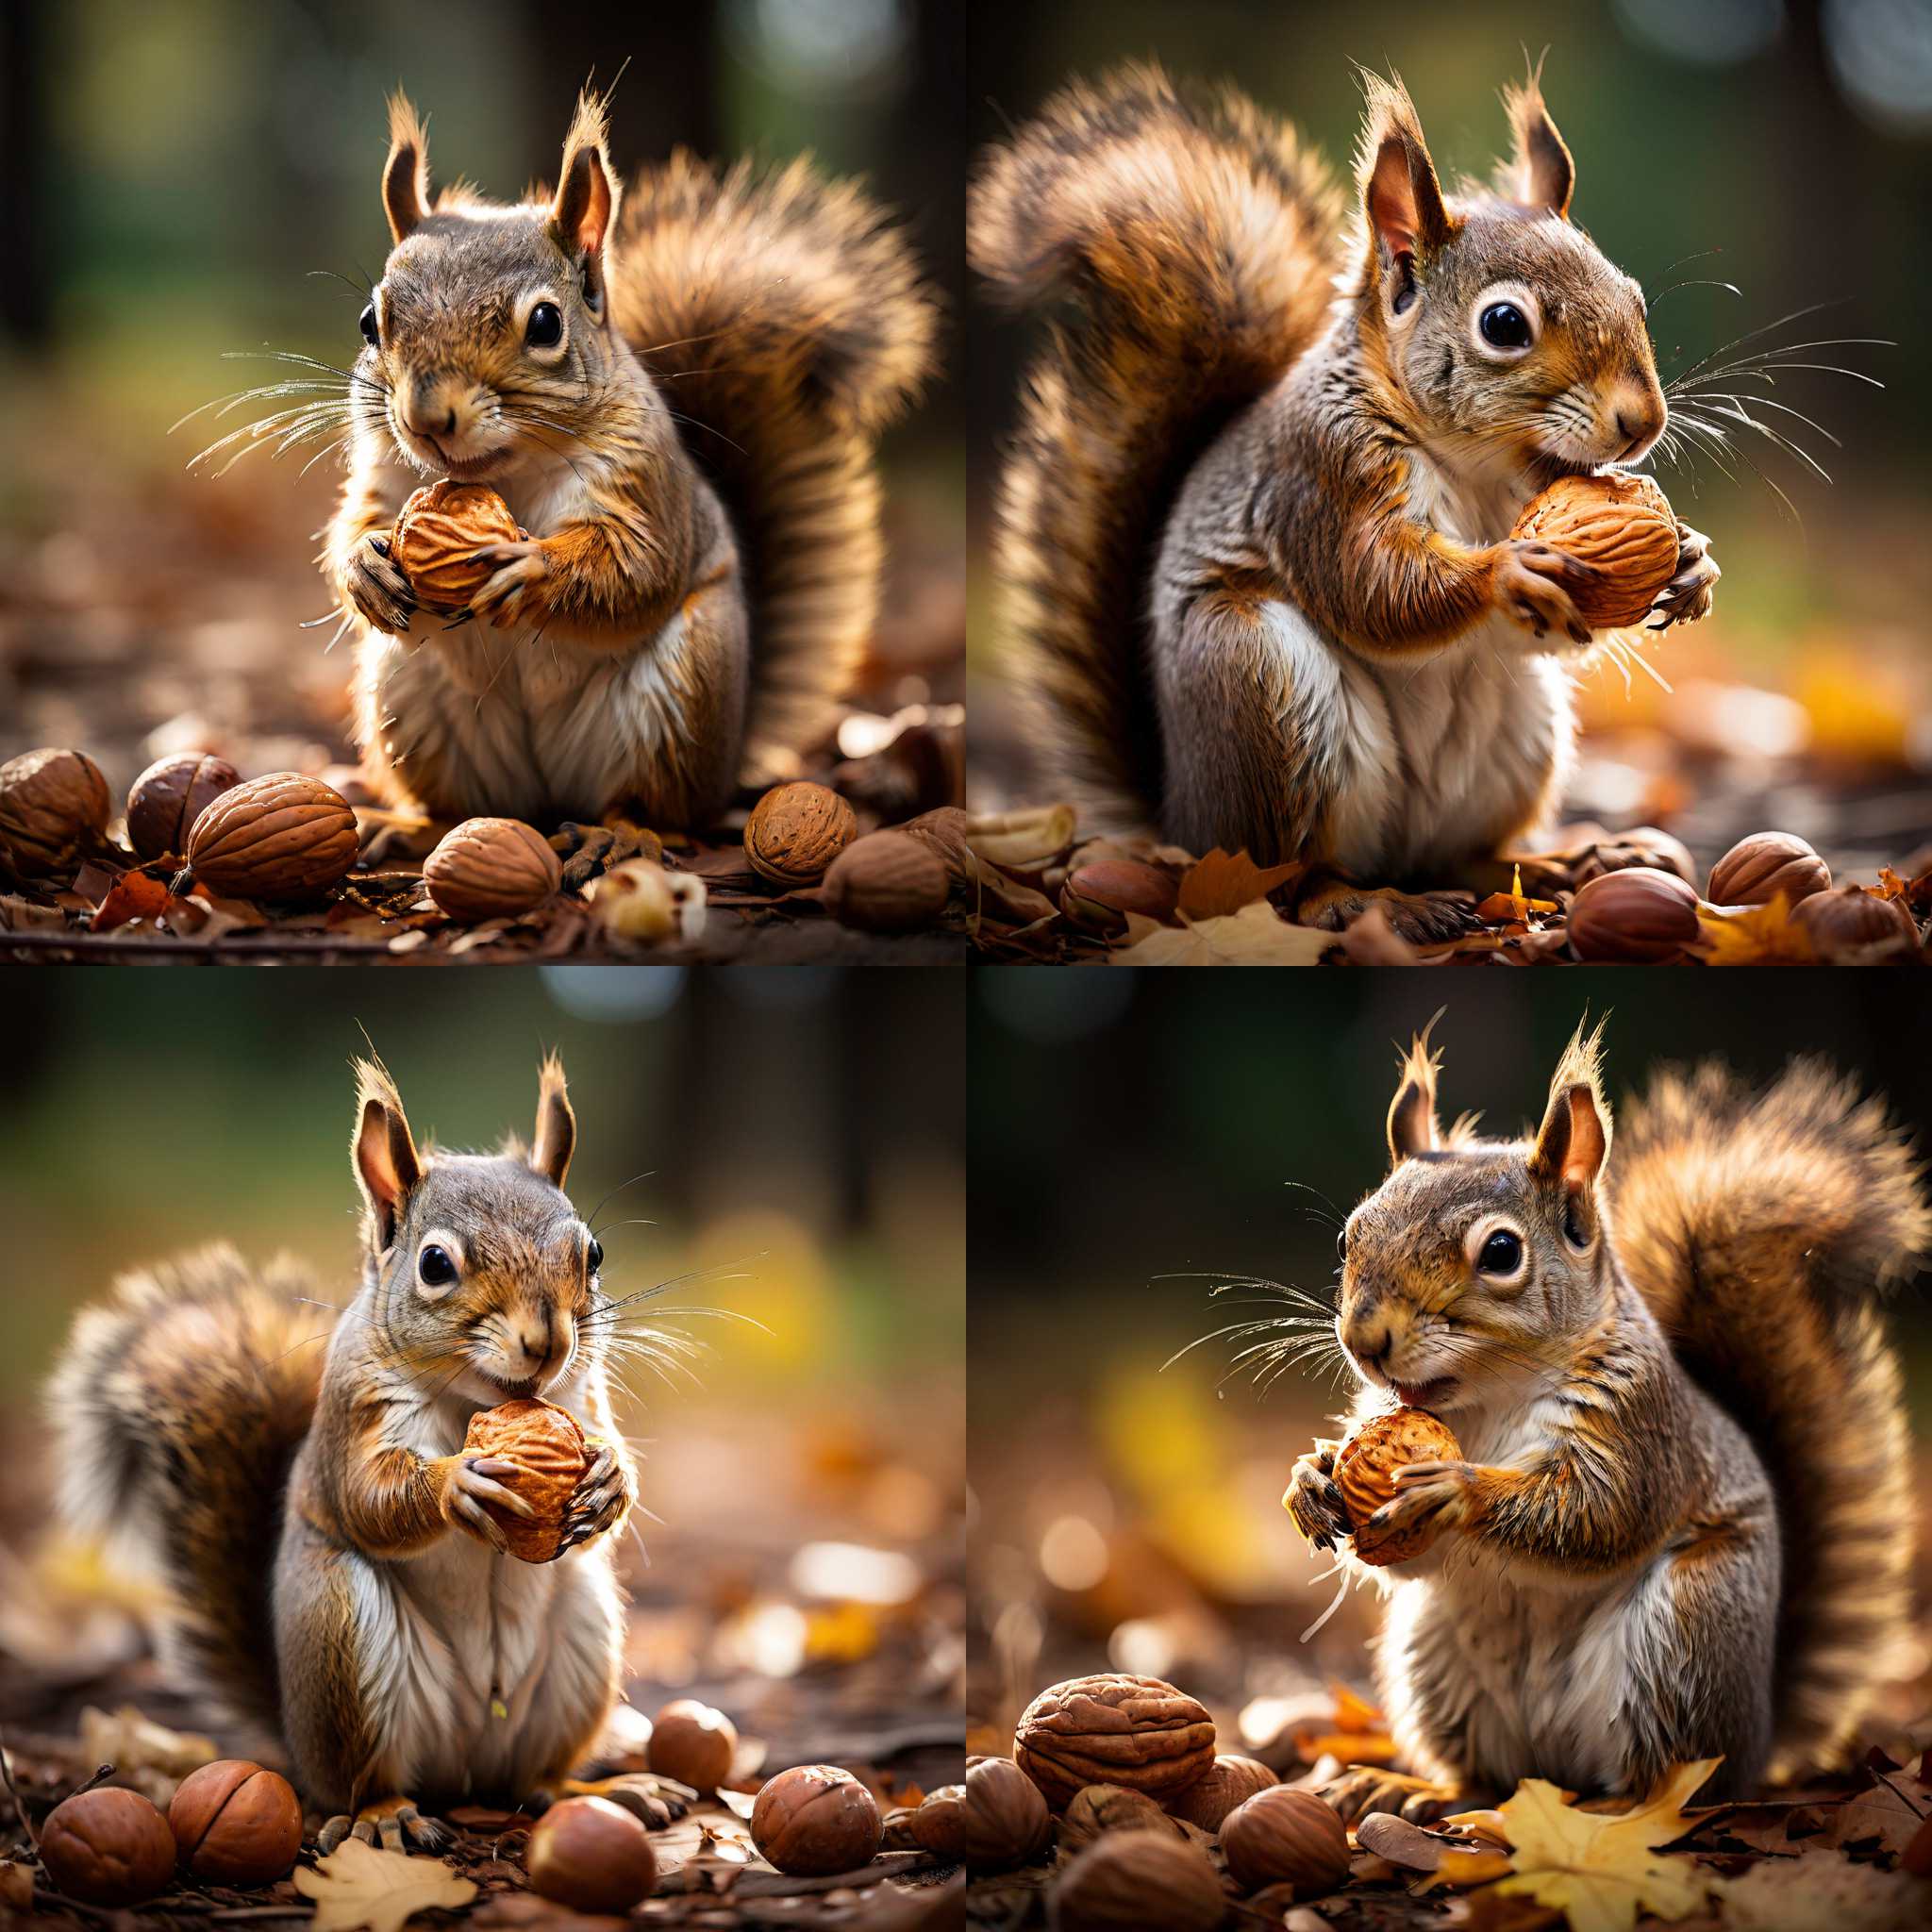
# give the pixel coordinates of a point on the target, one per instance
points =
(594, 1254)
(434, 1267)
(1505, 326)
(1502, 1253)
(544, 329)
(371, 334)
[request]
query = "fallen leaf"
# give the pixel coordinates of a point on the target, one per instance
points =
(516, 1910)
(133, 895)
(1889, 1815)
(1755, 935)
(1223, 882)
(1781, 1893)
(1255, 936)
(1021, 837)
(130, 1740)
(359, 1885)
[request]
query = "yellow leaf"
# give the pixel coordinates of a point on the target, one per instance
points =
(1754, 936)
(1598, 1869)
(358, 1885)
(1255, 936)
(130, 1740)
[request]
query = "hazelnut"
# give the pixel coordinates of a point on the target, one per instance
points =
(1229, 1781)
(1130, 1881)
(1642, 845)
(53, 806)
(1848, 917)
(592, 1856)
(1117, 1729)
(695, 1744)
(107, 1847)
(1282, 1836)
(887, 882)
(1621, 525)
(236, 1822)
(1101, 893)
(1756, 870)
(795, 831)
(815, 1819)
(1007, 1820)
(169, 795)
(547, 1446)
(440, 529)
(640, 900)
(939, 1823)
(1365, 1473)
(280, 837)
(1638, 917)
(491, 869)
(1098, 1808)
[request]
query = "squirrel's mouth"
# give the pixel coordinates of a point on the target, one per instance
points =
(1425, 1394)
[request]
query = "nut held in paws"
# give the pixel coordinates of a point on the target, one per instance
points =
(547, 1447)
(1365, 1473)
(440, 529)
(1624, 526)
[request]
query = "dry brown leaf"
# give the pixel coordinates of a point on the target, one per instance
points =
(1887, 1815)
(358, 1885)
(1223, 882)
(1255, 936)
(1781, 1893)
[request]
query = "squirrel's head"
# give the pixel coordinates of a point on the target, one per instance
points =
(489, 333)
(1504, 327)
(1466, 1270)
(483, 1274)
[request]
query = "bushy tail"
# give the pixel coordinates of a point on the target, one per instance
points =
(1198, 245)
(788, 326)
(177, 1410)
(1761, 1229)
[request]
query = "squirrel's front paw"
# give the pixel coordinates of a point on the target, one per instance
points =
(376, 588)
(600, 1501)
(1532, 584)
(511, 595)
(469, 1484)
(1437, 1493)
(1313, 1502)
(1687, 596)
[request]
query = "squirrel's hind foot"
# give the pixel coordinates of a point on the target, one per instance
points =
(655, 1802)
(391, 1824)
(1422, 919)
(588, 851)
(1366, 1788)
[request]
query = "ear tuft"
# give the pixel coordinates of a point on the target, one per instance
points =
(1573, 1141)
(585, 206)
(1412, 1129)
(1401, 196)
(406, 174)
(1539, 172)
(556, 1125)
(382, 1148)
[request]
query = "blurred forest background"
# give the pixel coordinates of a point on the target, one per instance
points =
(792, 1165)
(184, 178)
(1132, 1146)
(1792, 137)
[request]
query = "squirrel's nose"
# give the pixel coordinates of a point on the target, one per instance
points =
(1640, 419)
(1370, 1338)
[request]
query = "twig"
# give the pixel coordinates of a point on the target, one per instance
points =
(19, 1810)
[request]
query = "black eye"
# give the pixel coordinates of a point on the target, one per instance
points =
(544, 329)
(370, 333)
(1505, 326)
(594, 1254)
(1502, 1253)
(435, 1268)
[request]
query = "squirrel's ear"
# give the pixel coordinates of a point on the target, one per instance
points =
(585, 206)
(1573, 1141)
(406, 174)
(1401, 196)
(1412, 1129)
(557, 1125)
(386, 1161)
(1540, 174)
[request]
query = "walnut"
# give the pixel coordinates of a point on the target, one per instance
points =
(440, 529)
(816, 1819)
(236, 1822)
(491, 869)
(169, 795)
(1229, 1781)
(1137, 1732)
(547, 1446)
(592, 1856)
(1638, 917)
(1005, 1822)
(795, 831)
(1850, 919)
(887, 882)
(1619, 523)
(280, 837)
(1756, 870)
(693, 1744)
(1365, 1473)
(53, 806)
(1127, 1881)
(1097, 1809)
(1282, 1836)
(107, 1847)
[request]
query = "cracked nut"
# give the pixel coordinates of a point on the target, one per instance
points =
(107, 1847)
(816, 1819)
(1127, 1881)
(1756, 870)
(1286, 1837)
(1621, 525)
(693, 1744)
(1007, 1822)
(491, 869)
(1642, 845)
(53, 806)
(887, 882)
(279, 836)
(439, 532)
(547, 1446)
(1639, 917)
(169, 795)
(1099, 1809)
(1112, 1728)
(642, 900)
(236, 1822)
(795, 831)
(1229, 1781)
(1365, 1473)
(592, 1856)
(1848, 917)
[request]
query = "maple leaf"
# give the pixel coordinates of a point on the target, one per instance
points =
(358, 1885)
(1223, 882)
(1755, 935)
(1599, 1868)
(1255, 936)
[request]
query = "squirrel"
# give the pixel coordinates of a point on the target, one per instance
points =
(332, 1571)
(676, 390)
(1682, 1528)
(1256, 532)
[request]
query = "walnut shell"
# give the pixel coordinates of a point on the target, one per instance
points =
(1114, 1729)
(1365, 1473)
(1756, 870)
(816, 1819)
(1286, 1837)
(1007, 1822)
(1642, 845)
(592, 1856)
(1849, 917)
(53, 805)
(236, 1822)
(887, 882)
(795, 831)
(1229, 1781)
(1097, 1809)
(169, 795)
(279, 836)
(1128, 1881)
(108, 1847)
(1621, 523)
(693, 1744)
(547, 1445)
(440, 529)
(491, 869)
(1639, 917)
